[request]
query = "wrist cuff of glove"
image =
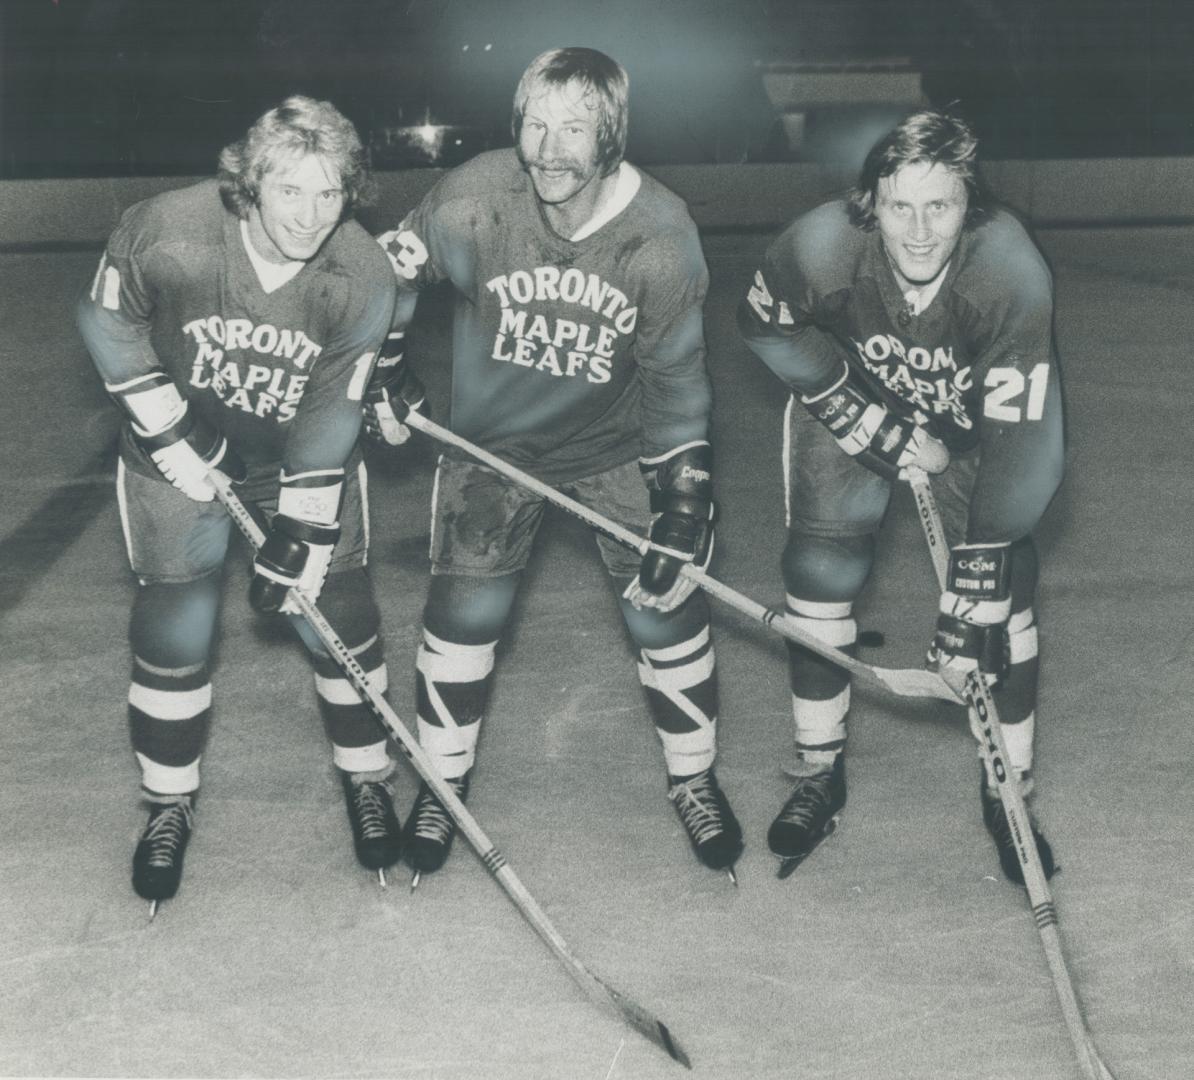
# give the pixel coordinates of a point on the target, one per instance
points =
(839, 408)
(981, 572)
(987, 646)
(392, 348)
(698, 507)
(307, 531)
(890, 441)
(180, 430)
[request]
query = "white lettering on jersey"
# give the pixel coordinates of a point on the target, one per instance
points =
(261, 388)
(759, 297)
(557, 346)
(111, 297)
(1006, 384)
(898, 367)
(406, 252)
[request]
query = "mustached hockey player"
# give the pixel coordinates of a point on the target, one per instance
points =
(913, 324)
(236, 324)
(578, 356)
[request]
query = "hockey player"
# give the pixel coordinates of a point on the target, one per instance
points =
(236, 323)
(912, 322)
(578, 356)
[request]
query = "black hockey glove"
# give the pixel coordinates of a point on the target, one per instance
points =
(865, 429)
(299, 544)
(394, 391)
(973, 613)
(681, 489)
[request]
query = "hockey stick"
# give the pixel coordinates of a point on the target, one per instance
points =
(494, 861)
(984, 722)
(905, 682)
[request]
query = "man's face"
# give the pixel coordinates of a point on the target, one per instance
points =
(920, 209)
(298, 206)
(558, 144)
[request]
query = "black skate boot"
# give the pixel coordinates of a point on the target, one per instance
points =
(810, 813)
(157, 862)
(376, 833)
(430, 829)
(705, 812)
(995, 819)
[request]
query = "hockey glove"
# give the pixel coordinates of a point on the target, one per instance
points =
(681, 489)
(865, 429)
(973, 613)
(298, 547)
(393, 392)
(182, 445)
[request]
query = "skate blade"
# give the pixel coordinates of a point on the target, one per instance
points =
(153, 909)
(414, 881)
(381, 877)
(788, 864)
(732, 876)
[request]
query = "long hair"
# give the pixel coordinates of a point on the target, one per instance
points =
(604, 86)
(285, 134)
(929, 136)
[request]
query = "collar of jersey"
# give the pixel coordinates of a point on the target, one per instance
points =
(271, 275)
(628, 183)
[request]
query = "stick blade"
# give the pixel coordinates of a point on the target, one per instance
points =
(916, 682)
(649, 1027)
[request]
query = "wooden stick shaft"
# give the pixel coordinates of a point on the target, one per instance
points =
(984, 722)
(495, 862)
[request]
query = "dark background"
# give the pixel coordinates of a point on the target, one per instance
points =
(156, 87)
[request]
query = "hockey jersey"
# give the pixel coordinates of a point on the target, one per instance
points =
(282, 373)
(977, 366)
(570, 356)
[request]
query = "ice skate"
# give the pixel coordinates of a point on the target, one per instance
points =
(430, 829)
(810, 813)
(376, 832)
(157, 862)
(713, 830)
(995, 819)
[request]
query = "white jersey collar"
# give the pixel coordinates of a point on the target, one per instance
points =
(627, 185)
(271, 275)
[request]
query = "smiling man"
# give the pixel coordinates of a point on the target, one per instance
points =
(912, 323)
(236, 323)
(578, 355)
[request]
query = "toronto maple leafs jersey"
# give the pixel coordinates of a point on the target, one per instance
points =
(977, 366)
(570, 356)
(282, 373)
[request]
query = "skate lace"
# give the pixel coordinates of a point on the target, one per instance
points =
(166, 832)
(809, 800)
(369, 808)
(696, 803)
(432, 820)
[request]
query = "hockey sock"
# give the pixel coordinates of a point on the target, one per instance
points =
(681, 687)
(820, 691)
(453, 683)
(1015, 697)
(357, 737)
(169, 714)
(169, 702)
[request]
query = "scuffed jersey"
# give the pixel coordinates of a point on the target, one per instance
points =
(977, 367)
(569, 357)
(281, 374)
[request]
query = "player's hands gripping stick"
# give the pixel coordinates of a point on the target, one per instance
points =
(681, 489)
(299, 543)
(394, 391)
(866, 429)
(973, 613)
(181, 444)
